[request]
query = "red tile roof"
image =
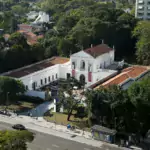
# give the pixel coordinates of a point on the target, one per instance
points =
(128, 73)
(31, 37)
(37, 67)
(98, 50)
(25, 26)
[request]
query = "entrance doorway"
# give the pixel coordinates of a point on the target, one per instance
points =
(68, 75)
(82, 79)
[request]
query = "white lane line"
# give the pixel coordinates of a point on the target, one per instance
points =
(86, 149)
(55, 145)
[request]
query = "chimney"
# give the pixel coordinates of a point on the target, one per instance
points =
(91, 45)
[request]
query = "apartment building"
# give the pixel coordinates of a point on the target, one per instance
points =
(142, 9)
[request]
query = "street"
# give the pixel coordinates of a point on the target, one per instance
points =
(49, 142)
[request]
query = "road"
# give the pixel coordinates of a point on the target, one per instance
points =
(49, 142)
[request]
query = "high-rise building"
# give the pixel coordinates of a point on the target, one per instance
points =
(142, 9)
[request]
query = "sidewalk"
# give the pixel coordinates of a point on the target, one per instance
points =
(56, 130)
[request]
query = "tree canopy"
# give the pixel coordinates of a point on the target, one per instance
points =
(125, 110)
(142, 33)
(15, 140)
(11, 87)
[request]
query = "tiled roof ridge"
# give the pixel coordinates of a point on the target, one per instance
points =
(119, 75)
(25, 67)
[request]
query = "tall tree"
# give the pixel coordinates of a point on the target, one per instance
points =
(142, 33)
(11, 87)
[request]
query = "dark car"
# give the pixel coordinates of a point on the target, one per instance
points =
(18, 127)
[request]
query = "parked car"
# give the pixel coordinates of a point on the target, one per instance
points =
(18, 127)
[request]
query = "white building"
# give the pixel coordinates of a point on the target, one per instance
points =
(142, 9)
(42, 18)
(89, 66)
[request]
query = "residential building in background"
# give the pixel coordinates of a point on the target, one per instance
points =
(142, 9)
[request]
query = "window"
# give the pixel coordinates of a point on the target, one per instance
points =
(56, 75)
(49, 79)
(140, 7)
(41, 82)
(73, 65)
(52, 77)
(26, 87)
(82, 65)
(33, 85)
(141, 1)
(90, 68)
(68, 75)
(100, 66)
(45, 80)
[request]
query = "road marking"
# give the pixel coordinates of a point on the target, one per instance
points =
(55, 145)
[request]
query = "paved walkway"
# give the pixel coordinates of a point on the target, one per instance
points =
(43, 126)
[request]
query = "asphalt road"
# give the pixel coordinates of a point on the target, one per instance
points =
(49, 142)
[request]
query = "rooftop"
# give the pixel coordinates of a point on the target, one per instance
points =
(128, 73)
(98, 50)
(18, 73)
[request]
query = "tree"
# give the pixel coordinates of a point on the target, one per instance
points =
(10, 86)
(142, 33)
(15, 140)
(140, 98)
(67, 97)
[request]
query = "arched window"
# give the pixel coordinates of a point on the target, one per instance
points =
(73, 65)
(82, 65)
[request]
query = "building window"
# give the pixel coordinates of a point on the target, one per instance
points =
(41, 82)
(90, 68)
(45, 80)
(82, 65)
(49, 79)
(33, 85)
(26, 87)
(140, 14)
(56, 75)
(141, 1)
(52, 77)
(68, 75)
(140, 7)
(73, 65)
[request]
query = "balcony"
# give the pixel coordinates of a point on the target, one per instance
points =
(140, 8)
(141, 2)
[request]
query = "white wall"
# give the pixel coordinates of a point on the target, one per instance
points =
(64, 69)
(42, 74)
(61, 70)
(108, 58)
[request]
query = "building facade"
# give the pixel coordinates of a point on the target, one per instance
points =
(88, 66)
(91, 65)
(142, 9)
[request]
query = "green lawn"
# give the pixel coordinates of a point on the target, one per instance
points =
(61, 118)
